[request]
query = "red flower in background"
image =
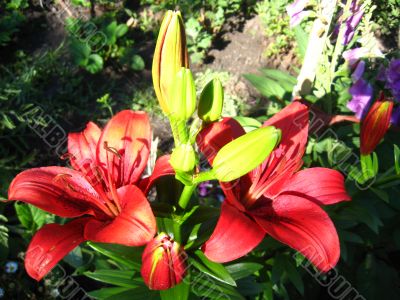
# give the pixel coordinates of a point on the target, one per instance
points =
(276, 198)
(104, 192)
(375, 125)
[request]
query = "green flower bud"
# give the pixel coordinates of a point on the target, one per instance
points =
(245, 153)
(183, 103)
(169, 56)
(211, 101)
(183, 158)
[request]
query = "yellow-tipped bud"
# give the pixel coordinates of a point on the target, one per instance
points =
(211, 101)
(183, 103)
(169, 56)
(245, 153)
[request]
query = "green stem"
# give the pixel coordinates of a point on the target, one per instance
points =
(186, 195)
(189, 189)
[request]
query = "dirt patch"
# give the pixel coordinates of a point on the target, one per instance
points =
(244, 52)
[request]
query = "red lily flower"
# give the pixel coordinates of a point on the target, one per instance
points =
(276, 198)
(375, 125)
(103, 192)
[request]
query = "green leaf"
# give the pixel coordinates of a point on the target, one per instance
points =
(105, 293)
(278, 268)
(122, 278)
(397, 159)
(284, 79)
(94, 64)
(242, 270)
(80, 52)
(215, 270)
(137, 62)
(31, 217)
(266, 86)
(294, 276)
(121, 30)
(139, 293)
(208, 288)
(3, 236)
(247, 123)
(179, 292)
(110, 32)
(127, 256)
(350, 237)
(381, 194)
(301, 39)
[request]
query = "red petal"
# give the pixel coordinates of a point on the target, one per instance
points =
(320, 185)
(50, 244)
(302, 225)
(58, 190)
(216, 135)
(234, 236)
(129, 134)
(82, 146)
(162, 168)
(134, 226)
(293, 121)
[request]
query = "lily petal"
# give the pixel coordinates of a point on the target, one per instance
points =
(161, 168)
(61, 191)
(234, 236)
(293, 122)
(327, 186)
(302, 225)
(82, 147)
(50, 244)
(216, 135)
(124, 146)
(134, 226)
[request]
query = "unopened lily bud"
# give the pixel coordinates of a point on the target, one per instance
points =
(211, 101)
(183, 103)
(163, 263)
(169, 56)
(183, 158)
(375, 125)
(245, 153)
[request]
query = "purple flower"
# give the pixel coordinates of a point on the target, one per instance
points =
(353, 55)
(352, 22)
(395, 119)
(296, 12)
(204, 188)
(361, 92)
(393, 78)
(358, 71)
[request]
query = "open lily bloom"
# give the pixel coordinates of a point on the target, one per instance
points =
(104, 192)
(276, 198)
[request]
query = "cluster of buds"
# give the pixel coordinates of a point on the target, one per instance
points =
(163, 258)
(176, 92)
